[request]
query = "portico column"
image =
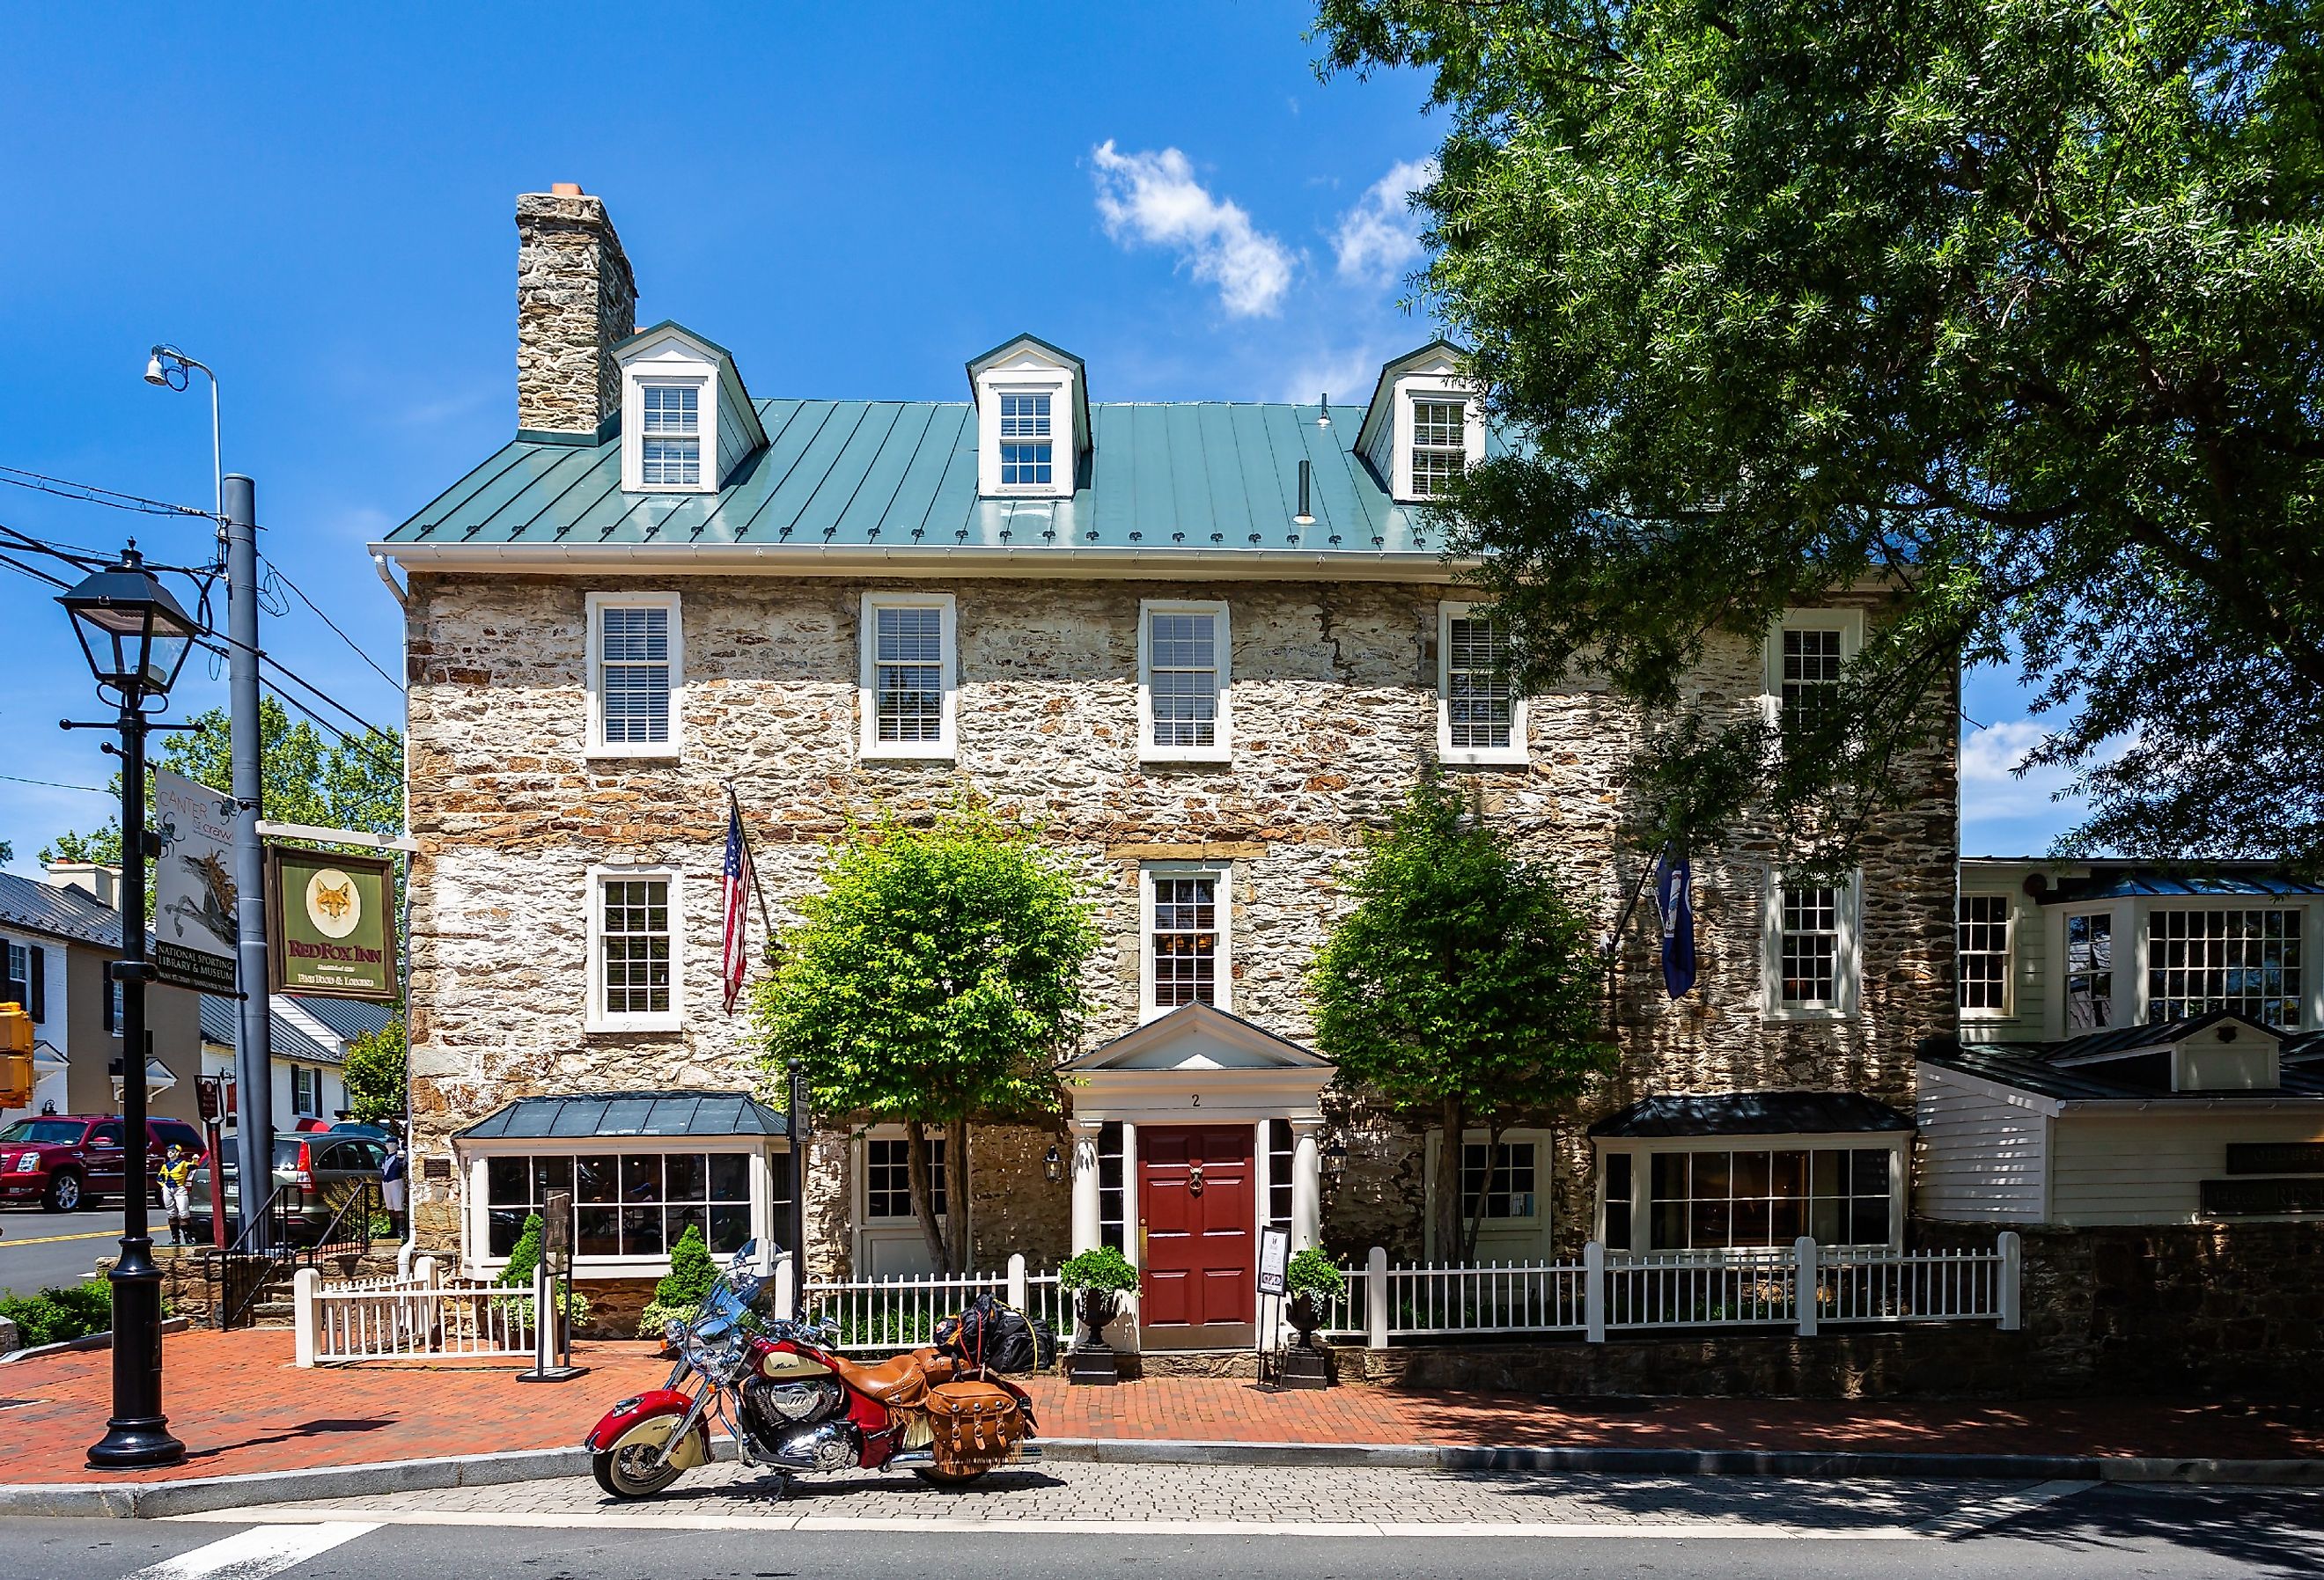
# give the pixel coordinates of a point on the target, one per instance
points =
(1306, 1183)
(1087, 1229)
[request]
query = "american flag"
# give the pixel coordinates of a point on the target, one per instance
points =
(738, 880)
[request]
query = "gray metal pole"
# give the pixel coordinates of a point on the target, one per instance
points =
(253, 1072)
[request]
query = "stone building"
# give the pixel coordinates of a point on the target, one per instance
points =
(1205, 646)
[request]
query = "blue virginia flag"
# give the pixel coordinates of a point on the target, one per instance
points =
(1674, 899)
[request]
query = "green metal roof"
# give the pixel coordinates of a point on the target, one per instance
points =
(883, 474)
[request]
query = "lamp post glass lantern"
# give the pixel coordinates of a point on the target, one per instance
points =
(135, 637)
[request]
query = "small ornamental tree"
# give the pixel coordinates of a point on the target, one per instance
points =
(1462, 983)
(375, 1074)
(936, 975)
(691, 1270)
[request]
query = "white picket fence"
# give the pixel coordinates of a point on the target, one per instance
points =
(882, 1316)
(407, 1319)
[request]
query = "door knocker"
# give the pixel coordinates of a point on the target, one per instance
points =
(1194, 1180)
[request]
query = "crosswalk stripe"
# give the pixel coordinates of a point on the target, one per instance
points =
(255, 1554)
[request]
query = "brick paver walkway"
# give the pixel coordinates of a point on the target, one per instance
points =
(242, 1408)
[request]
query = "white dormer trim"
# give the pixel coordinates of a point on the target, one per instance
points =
(1386, 437)
(1027, 368)
(727, 429)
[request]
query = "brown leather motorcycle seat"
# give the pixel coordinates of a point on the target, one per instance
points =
(899, 1382)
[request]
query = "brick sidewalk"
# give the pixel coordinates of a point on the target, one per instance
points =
(240, 1408)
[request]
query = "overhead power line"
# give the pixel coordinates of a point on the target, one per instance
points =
(275, 571)
(90, 493)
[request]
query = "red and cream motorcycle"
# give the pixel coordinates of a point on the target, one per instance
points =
(794, 1404)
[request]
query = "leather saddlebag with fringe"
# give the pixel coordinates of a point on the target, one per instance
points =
(973, 1425)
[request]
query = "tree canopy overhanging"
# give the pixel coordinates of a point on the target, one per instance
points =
(2010, 305)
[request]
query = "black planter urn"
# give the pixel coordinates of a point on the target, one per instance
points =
(1092, 1360)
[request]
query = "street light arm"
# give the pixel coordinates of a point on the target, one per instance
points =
(217, 454)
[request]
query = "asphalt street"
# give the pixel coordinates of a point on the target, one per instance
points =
(2108, 1531)
(40, 1251)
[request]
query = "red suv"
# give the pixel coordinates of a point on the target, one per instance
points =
(70, 1161)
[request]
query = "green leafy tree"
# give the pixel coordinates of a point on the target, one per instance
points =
(1462, 983)
(375, 1071)
(2010, 307)
(936, 975)
(304, 777)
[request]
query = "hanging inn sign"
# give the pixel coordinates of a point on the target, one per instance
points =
(193, 886)
(334, 928)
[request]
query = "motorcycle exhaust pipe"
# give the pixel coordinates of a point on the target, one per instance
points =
(1022, 1453)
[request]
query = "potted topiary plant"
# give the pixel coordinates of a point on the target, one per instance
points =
(1311, 1283)
(1097, 1279)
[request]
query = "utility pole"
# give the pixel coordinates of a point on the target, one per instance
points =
(254, 1074)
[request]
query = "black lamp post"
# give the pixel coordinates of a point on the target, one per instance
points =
(136, 638)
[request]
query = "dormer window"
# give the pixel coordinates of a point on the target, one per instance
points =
(670, 454)
(1440, 447)
(1026, 450)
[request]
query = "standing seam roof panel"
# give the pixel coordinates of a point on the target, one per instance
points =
(545, 490)
(852, 469)
(870, 513)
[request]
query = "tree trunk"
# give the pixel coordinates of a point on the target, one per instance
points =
(1448, 1183)
(957, 1193)
(918, 1171)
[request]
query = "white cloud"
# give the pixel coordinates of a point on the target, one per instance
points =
(1154, 198)
(1347, 376)
(1378, 239)
(1989, 756)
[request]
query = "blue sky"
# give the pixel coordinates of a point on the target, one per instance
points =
(318, 202)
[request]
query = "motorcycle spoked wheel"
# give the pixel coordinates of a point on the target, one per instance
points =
(624, 1472)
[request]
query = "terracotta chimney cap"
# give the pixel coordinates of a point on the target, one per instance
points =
(565, 190)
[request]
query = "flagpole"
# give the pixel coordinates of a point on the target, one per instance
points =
(1614, 944)
(795, 1097)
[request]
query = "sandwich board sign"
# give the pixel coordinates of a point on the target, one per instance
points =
(194, 893)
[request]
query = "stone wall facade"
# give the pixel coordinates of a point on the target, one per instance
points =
(1333, 707)
(575, 299)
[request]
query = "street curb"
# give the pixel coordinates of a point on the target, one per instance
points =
(206, 1494)
(88, 1340)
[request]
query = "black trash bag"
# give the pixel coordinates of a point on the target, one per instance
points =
(996, 1337)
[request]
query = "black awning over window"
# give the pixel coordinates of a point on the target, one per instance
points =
(1753, 1113)
(630, 1114)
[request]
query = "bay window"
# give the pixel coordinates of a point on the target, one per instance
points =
(630, 1204)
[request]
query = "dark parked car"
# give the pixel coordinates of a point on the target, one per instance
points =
(66, 1162)
(315, 1173)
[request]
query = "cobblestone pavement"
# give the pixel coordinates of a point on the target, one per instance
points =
(1117, 1497)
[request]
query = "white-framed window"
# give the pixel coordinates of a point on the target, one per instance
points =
(2211, 957)
(888, 1178)
(1983, 952)
(306, 1092)
(670, 449)
(1480, 717)
(1028, 447)
(1509, 1202)
(636, 949)
(909, 675)
(1717, 1197)
(1807, 651)
(1503, 1177)
(1440, 445)
(1183, 681)
(1186, 934)
(635, 660)
(1812, 967)
(635, 1203)
(2090, 972)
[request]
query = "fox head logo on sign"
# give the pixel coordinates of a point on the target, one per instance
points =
(331, 932)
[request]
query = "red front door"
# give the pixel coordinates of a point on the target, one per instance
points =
(1195, 1198)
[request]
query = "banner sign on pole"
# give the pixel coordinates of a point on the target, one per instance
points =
(193, 886)
(331, 924)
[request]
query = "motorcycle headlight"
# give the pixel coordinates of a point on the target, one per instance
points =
(722, 1358)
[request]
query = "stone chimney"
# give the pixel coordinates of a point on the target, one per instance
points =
(575, 299)
(99, 883)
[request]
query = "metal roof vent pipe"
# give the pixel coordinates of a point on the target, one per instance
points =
(1324, 411)
(1306, 517)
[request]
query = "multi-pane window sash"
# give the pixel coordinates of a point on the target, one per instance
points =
(633, 656)
(1440, 445)
(1711, 1199)
(2090, 972)
(1984, 951)
(888, 1177)
(1185, 941)
(1511, 1195)
(1480, 703)
(1281, 1153)
(634, 946)
(671, 443)
(637, 1204)
(1025, 416)
(1024, 465)
(1025, 450)
(1810, 681)
(907, 666)
(1811, 948)
(1183, 676)
(2245, 961)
